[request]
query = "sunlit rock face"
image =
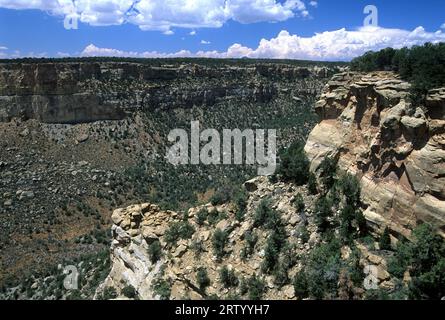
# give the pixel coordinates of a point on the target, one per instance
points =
(397, 150)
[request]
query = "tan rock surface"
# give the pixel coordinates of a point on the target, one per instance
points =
(396, 150)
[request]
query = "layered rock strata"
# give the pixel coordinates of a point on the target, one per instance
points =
(397, 150)
(80, 92)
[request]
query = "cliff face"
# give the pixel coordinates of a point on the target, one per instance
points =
(52, 93)
(88, 92)
(396, 150)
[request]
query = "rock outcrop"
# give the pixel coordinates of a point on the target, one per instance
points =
(245, 249)
(134, 229)
(397, 150)
(138, 226)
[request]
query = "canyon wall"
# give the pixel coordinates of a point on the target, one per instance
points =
(91, 91)
(397, 150)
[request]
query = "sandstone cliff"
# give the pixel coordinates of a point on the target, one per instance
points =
(397, 150)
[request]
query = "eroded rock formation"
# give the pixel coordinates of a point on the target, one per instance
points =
(396, 149)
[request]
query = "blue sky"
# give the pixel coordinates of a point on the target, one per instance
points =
(215, 28)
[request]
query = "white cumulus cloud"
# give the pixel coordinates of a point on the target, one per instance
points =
(330, 45)
(340, 44)
(93, 51)
(163, 15)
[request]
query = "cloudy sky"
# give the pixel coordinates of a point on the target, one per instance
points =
(295, 29)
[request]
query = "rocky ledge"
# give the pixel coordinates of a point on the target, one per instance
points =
(396, 150)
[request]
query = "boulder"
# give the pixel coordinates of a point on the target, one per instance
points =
(180, 250)
(251, 185)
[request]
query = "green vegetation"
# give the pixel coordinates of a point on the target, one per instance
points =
(274, 246)
(240, 200)
(354, 269)
(219, 241)
(109, 293)
(93, 269)
(228, 277)
(424, 257)
(304, 233)
(162, 288)
(312, 184)
(202, 278)
(221, 196)
(352, 224)
(298, 202)
(155, 251)
(271, 255)
(243, 286)
(198, 248)
(423, 66)
(287, 260)
(251, 239)
(328, 168)
(325, 275)
(301, 286)
(201, 216)
(130, 292)
(319, 278)
(350, 187)
(256, 288)
(214, 217)
(179, 230)
(270, 220)
(385, 240)
(323, 213)
(294, 165)
(383, 60)
(264, 215)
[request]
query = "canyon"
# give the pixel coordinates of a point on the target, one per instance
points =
(369, 127)
(103, 122)
(80, 138)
